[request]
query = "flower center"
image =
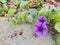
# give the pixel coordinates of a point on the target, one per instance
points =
(42, 21)
(40, 28)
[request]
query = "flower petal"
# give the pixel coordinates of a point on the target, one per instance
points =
(35, 28)
(40, 27)
(38, 33)
(45, 29)
(42, 19)
(38, 24)
(55, 4)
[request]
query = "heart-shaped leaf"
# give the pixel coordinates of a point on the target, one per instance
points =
(54, 12)
(3, 8)
(38, 4)
(48, 15)
(57, 27)
(3, 1)
(18, 3)
(29, 4)
(33, 21)
(42, 12)
(24, 15)
(13, 21)
(23, 4)
(18, 16)
(11, 11)
(58, 40)
(34, 13)
(42, 2)
(57, 18)
(58, 6)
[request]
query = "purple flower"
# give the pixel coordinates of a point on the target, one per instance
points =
(42, 19)
(55, 4)
(14, 34)
(40, 27)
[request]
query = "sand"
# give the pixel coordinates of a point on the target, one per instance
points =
(27, 36)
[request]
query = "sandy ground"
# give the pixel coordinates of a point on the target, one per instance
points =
(26, 38)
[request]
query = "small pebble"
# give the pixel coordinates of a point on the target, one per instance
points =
(20, 33)
(8, 36)
(35, 35)
(24, 38)
(53, 44)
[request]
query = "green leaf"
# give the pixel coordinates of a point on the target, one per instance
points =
(3, 1)
(24, 15)
(18, 6)
(29, 4)
(42, 12)
(57, 27)
(11, 11)
(58, 40)
(47, 13)
(18, 16)
(54, 12)
(58, 6)
(42, 2)
(38, 4)
(18, 3)
(23, 4)
(57, 18)
(13, 21)
(3, 8)
(34, 13)
(49, 16)
(33, 21)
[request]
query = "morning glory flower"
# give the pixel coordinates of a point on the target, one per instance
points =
(40, 27)
(55, 4)
(42, 19)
